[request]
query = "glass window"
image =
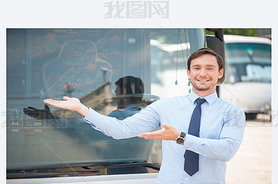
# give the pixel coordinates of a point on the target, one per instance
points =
(248, 62)
(86, 63)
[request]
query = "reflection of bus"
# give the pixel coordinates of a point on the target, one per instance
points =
(248, 74)
(85, 63)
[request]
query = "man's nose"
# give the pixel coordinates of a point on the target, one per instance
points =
(203, 72)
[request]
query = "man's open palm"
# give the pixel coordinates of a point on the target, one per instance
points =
(73, 104)
(167, 133)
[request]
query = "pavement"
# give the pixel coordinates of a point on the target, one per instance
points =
(252, 162)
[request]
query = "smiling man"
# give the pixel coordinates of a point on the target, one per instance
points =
(200, 132)
(204, 70)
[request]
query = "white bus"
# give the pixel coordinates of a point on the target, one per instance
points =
(248, 74)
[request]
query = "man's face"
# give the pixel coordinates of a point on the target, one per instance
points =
(204, 74)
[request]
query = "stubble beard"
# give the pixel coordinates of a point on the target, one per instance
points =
(201, 87)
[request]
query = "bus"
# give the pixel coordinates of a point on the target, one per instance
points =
(49, 145)
(248, 74)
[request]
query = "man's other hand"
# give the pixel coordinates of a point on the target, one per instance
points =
(167, 133)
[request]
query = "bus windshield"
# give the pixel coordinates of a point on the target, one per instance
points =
(87, 64)
(248, 62)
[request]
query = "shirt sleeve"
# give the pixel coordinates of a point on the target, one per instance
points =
(144, 121)
(229, 141)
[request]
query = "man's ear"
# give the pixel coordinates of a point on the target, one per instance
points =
(221, 72)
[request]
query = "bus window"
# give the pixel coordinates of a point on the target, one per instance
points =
(248, 62)
(85, 63)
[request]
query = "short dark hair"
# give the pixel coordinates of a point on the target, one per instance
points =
(204, 51)
(133, 85)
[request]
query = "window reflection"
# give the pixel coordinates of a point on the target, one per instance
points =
(86, 63)
(129, 93)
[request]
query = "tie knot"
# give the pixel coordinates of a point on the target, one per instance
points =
(200, 101)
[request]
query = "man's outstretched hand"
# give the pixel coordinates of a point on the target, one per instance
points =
(167, 133)
(72, 104)
(39, 113)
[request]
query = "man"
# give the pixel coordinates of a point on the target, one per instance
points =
(205, 147)
(129, 93)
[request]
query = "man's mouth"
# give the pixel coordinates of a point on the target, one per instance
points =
(202, 80)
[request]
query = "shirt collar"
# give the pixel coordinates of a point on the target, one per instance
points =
(210, 98)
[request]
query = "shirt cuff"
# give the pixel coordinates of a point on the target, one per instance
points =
(192, 142)
(91, 117)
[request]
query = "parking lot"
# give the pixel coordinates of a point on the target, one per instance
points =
(252, 163)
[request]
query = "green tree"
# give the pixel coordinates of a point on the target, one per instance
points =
(238, 31)
(241, 31)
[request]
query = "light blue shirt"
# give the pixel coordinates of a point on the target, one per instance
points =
(221, 133)
(128, 111)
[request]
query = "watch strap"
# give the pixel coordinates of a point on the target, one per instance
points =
(182, 134)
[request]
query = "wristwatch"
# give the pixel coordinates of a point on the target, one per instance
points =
(181, 138)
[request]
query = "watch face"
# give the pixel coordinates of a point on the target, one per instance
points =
(180, 140)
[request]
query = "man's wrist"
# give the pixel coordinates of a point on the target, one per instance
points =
(178, 134)
(83, 110)
(181, 138)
